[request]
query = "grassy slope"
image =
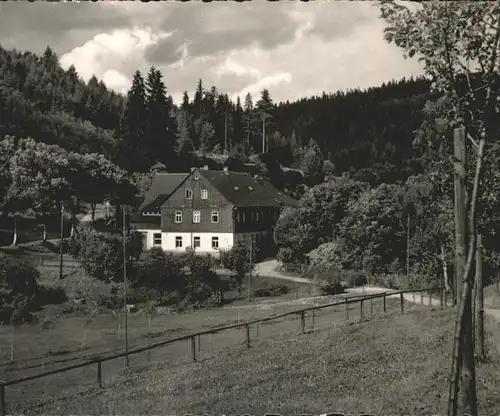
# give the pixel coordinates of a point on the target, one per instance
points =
(386, 366)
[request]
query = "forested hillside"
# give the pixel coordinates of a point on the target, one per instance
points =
(367, 133)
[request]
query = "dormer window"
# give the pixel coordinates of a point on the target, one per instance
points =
(189, 193)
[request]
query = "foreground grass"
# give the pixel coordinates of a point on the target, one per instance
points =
(397, 365)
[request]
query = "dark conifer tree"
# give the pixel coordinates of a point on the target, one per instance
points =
(133, 128)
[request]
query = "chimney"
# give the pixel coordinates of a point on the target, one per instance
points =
(205, 167)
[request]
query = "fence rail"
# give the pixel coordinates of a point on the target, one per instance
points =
(192, 337)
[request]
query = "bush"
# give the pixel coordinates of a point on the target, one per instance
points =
(50, 296)
(18, 290)
(274, 290)
(331, 288)
(160, 270)
(353, 278)
(101, 254)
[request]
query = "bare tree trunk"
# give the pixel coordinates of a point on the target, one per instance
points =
(92, 208)
(460, 209)
(463, 346)
(445, 270)
(12, 340)
(14, 238)
(479, 301)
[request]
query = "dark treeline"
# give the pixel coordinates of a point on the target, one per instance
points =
(368, 134)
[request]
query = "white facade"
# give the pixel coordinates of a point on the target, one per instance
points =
(203, 243)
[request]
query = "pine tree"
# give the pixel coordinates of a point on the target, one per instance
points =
(198, 100)
(132, 128)
(184, 144)
(238, 133)
(248, 119)
(185, 101)
(160, 129)
(207, 137)
(312, 162)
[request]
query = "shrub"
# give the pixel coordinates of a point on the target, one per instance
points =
(160, 270)
(50, 296)
(274, 290)
(18, 290)
(101, 254)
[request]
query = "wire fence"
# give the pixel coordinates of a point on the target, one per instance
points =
(104, 368)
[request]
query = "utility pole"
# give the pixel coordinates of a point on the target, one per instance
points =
(125, 285)
(225, 131)
(250, 274)
(408, 246)
(61, 244)
(263, 133)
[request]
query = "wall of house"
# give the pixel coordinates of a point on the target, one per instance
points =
(263, 243)
(188, 240)
(148, 236)
(255, 219)
(168, 241)
(225, 224)
(179, 203)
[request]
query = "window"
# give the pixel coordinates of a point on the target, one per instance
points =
(252, 216)
(257, 214)
(196, 216)
(189, 193)
(178, 242)
(157, 239)
(178, 217)
(215, 216)
(196, 242)
(215, 242)
(204, 194)
(196, 176)
(242, 217)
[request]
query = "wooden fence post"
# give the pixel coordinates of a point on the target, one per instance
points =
(346, 310)
(385, 303)
(193, 348)
(199, 343)
(3, 409)
(314, 313)
(371, 305)
(402, 303)
(99, 373)
(442, 296)
(361, 311)
(303, 322)
(247, 327)
(421, 298)
(414, 297)
(257, 330)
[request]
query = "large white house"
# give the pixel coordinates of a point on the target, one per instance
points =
(209, 211)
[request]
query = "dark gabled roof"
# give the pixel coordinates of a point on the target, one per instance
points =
(162, 186)
(244, 190)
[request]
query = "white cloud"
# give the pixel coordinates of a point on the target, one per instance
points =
(327, 46)
(116, 81)
(111, 54)
(230, 66)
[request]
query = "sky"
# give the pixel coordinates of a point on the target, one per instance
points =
(294, 49)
